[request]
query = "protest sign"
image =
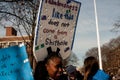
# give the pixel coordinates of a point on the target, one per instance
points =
(56, 27)
(14, 64)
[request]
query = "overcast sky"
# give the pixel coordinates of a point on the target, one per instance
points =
(85, 38)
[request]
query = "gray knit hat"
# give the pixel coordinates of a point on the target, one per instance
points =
(70, 69)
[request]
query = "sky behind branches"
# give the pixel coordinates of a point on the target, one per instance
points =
(107, 12)
(85, 38)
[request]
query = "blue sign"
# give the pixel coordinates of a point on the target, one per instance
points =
(14, 64)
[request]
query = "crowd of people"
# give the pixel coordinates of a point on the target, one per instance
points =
(51, 68)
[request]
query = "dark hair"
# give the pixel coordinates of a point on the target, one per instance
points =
(40, 70)
(51, 56)
(91, 66)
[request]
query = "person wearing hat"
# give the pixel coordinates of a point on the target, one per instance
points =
(73, 74)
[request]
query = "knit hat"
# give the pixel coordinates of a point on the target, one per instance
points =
(70, 69)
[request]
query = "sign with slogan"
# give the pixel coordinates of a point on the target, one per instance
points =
(56, 27)
(14, 64)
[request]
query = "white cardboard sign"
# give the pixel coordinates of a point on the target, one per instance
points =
(56, 27)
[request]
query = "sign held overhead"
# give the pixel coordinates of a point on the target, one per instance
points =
(56, 27)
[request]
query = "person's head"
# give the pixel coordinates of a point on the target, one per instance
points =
(53, 64)
(91, 66)
(71, 70)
